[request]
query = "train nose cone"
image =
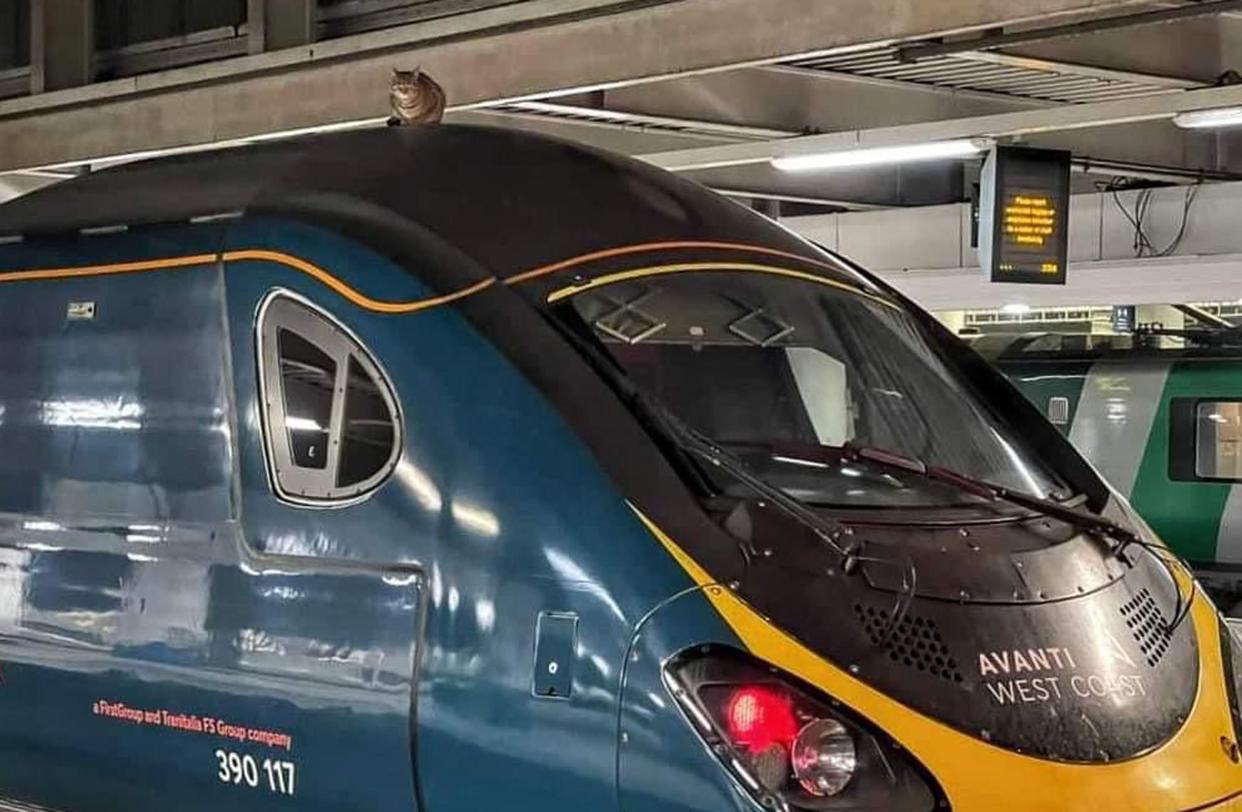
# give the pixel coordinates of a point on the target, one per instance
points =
(1026, 634)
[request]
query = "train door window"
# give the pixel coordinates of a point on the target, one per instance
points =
(1205, 440)
(331, 427)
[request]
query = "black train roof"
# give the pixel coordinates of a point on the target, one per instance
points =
(509, 201)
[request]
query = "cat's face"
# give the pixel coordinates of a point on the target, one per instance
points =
(405, 79)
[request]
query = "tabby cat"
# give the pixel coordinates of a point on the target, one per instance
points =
(415, 98)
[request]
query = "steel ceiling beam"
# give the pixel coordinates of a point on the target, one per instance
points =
(832, 74)
(1076, 69)
(1000, 125)
(724, 130)
(848, 205)
(1155, 172)
(637, 123)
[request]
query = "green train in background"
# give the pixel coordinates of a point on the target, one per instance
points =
(1163, 425)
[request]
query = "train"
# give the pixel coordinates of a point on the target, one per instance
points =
(1160, 416)
(447, 468)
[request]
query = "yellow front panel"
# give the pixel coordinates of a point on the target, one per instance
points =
(1191, 771)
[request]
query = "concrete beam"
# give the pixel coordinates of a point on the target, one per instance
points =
(62, 44)
(505, 53)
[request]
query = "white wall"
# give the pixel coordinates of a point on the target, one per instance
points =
(926, 251)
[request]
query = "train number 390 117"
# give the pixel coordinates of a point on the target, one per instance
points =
(245, 770)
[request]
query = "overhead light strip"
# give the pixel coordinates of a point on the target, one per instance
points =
(874, 156)
(1207, 119)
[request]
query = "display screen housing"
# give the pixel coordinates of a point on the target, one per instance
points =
(1024, 215)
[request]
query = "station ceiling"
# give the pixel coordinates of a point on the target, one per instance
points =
(667, 80)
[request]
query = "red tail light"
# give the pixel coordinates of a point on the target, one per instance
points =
(758, 717)
(791, 747)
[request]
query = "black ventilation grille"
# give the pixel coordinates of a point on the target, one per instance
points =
(916, 641)
(1147, 625)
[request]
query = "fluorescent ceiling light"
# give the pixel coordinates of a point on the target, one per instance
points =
(1016, 309)
(1202, 119)
(871, 156)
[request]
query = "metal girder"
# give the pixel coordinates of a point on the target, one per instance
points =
(1026, 122)
(998, 73)
(1074, 68)
(829, 74)
(609, 136)
(848, 205)
(723, 130)
(519, 51)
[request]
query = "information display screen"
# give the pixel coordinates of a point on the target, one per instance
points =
(1024, 215)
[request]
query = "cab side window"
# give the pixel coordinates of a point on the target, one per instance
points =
(369, 431)
(332, 426)
(307, 379)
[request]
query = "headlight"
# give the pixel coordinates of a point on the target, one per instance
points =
(791, 747)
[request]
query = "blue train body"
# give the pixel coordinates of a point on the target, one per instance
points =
(497, 623)
(152, 566)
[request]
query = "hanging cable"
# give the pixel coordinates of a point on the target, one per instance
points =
(1142, 244)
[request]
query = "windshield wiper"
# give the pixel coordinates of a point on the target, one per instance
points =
(829, 531)
(893, 461)
(1121, 537)
(993, 492)
(692, 443)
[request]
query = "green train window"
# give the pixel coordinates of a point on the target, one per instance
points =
(332, 426)
(1218, 450)
(1205, 440)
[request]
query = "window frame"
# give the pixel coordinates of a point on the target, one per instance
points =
(1184, 439)
(280, 309)
(1062, 416)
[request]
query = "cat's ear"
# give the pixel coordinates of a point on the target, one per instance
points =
(418, 71)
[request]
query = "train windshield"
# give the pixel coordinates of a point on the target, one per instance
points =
(765, 362)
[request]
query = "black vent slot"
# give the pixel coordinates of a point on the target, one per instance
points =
(915, 643)
(1148, 626)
